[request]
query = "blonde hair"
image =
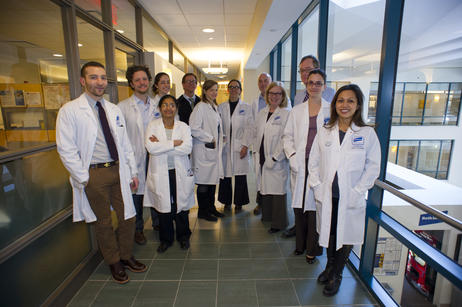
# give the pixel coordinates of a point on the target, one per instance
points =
(284, 95)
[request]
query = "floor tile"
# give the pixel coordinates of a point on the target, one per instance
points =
(269, 269)
(203, 251)
(144, 252)
(276, 293)
(237, 293)
(197, 294)
(205, 236)
(200, 270)
(173, 252)
(265, 250)
(234, 250)
(234, 269)
(114, 294)
(157, 293)
(101, 273)
(299, 268)
(165, 270)
(87, 294)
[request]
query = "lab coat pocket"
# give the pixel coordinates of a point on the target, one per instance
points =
(293, 163)
(356, 200)
(317, 191)
(210, 154)
(152, 183)
(238, 134)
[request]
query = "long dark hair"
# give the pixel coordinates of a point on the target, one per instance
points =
(208, 84)
(357, 116)
(155, 89)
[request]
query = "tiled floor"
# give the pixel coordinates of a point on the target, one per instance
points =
(233, 262)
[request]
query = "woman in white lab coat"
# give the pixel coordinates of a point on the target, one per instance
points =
(237, 119)
(304, 121)
(160, 88)
(270, 161)
(207, 132)
(170, 182)
(344, 163)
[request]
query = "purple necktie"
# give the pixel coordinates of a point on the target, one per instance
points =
(306, 97)
(107, 132)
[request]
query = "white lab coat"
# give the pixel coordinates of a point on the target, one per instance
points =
(76, 129)
(272, 179)
(157, 193)
(206, 125)
(241, 126)
(135, 130)
(295, 137)
(357, 164)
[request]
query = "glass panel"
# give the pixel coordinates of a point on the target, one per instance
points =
(32, 190)
(91, 43)
(153, 41)
(93, 7)
(286, 63)
(454, 104)
(33, 72)
(354, 43)
(123, 18)
(414, 101)
(307, 40)
(446, 149)
(275, 65)
(398, 102)
(428, 157)
(124, 58)
(372, 102)
(407, 154)
(178, 59)
(435, 104)
(392, 150)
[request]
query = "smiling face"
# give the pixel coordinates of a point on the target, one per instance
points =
(263, 81)
(163, 85)
(140, 82)
(212, 93)
(275, 97)
(189, 85)
(305, 67)
(168, 108)
(95, 82)
(234, 91)
(346, 105)
(315, 85)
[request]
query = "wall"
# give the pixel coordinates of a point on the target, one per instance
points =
(250, 81)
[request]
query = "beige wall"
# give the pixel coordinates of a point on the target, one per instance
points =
(250, 81)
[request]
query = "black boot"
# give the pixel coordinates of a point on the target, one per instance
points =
(323, 278)
(333, 285)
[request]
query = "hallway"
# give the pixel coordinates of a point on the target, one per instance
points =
(234, 262)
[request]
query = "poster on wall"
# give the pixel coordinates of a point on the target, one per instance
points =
(19, 98)
(7, 98)
(55, 95)
(33, 99)
(387, 256)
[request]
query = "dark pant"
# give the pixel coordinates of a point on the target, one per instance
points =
(241, 192)
(306, 235)
(181, 218)
(138, 202)
(103, 191)
(274, 210)
(206, 198)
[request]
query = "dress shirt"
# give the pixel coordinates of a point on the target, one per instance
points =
(101, 152)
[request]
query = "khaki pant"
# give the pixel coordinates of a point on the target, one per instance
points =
(103, 191)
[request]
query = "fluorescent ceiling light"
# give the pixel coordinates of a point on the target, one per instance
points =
(348, 4)
(57, 55)
(210, 38)
(216, 70)
(79, 44)
(208, 30)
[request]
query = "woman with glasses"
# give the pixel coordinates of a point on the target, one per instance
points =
(304, 121)
(207, 132)
(236, 116)
(170, 181)
(270, 161)
(344, 163)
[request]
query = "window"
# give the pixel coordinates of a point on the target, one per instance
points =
(286, 63)
(123, 18)
(428, 157)
(153, 40)
(178, 59)
(307, 40)
(124, 58)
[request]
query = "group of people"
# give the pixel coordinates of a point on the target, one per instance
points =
(150, 152)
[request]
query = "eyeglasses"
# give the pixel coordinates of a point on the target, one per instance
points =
(274, 93)
(317, 83)
(191, 81)
(232, 87)
(305, 70)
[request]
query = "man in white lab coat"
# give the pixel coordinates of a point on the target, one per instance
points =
(93, 145)
(138, 111)
(264, 79)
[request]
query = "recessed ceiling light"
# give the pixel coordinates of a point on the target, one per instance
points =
(79, 44)
(208, 30)
(120, 31)
(57, 55)
(210, 38)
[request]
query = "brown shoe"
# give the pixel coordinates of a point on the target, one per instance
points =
(140, 238)
(257, 210)
(134, 265)
(118, 273)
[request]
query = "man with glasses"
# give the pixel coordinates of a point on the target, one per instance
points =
(188, 100)
(307, 64)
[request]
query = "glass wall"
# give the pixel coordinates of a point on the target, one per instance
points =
(286, 63)
(124, 58)
(33, 72)
(308, 40)
(92, 7)
(154, 41)
(123, 18)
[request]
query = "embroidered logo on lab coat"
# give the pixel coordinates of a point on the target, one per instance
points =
(357, 142)
(277, 120)
(156, 115)
(118, 122)
(326, 120)
(241, 112)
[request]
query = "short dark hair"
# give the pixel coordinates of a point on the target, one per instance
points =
(183, 80)
(318, 71)
(89, 64)
(165, 97)
(155, 89)
(238, 82)
(135, 68)
(313, 58)
(357, 116)
(208, 84)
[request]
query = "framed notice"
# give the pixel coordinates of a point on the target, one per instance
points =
(7, 98)
(33, 99)
(55, 95)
